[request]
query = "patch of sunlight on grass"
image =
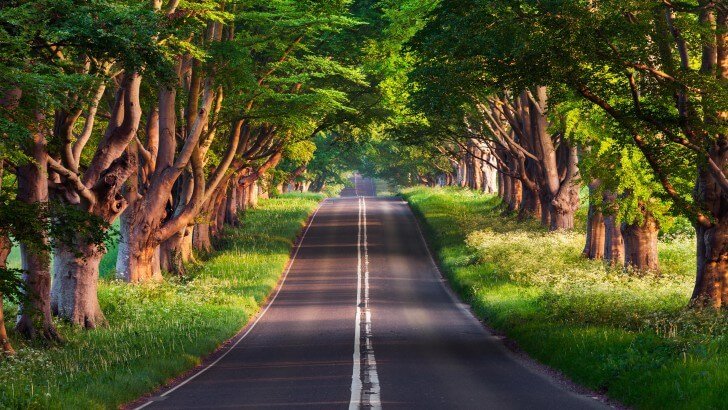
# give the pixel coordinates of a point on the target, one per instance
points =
(628, 334)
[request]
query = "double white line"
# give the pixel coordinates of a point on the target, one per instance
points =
(364, 378)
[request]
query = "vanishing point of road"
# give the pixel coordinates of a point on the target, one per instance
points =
(362, 319)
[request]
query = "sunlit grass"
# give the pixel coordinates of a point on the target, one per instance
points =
(157, 331)
(628, 334)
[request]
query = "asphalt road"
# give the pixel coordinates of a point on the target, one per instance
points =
(363, 320)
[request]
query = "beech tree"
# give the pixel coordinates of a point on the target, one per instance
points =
(87, 77)
(43, 79)
(658, 70)
(626, 203)
(262, 87)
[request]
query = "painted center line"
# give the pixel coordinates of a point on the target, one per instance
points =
(364, 378)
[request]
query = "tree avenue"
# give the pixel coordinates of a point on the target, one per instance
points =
(163, 114)
(154, 125)
(625, 98)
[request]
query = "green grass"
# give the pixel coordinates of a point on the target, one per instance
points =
(157, 331)
(627, 334)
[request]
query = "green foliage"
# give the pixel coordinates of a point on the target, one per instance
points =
(158, 331)
(11, 285)
(280, 61)
(621, 57)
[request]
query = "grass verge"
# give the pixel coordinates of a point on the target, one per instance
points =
(157, 331)
(626, 334)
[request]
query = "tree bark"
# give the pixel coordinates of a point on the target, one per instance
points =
(595, 233)
(501, 186)
(613, 239)
(515, 195)
(530, 207)
(142, 264)
(75, 283)
(176, 251)
(125, 246)
(640, 244)
(34, 314)
(201, 240)
(711, 280)
(232, 206)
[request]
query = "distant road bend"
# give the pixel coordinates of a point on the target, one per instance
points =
(363, 320)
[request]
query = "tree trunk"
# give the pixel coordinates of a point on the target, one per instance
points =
(490, 178)
(7, 348)
(143, 265)
(595, 228)
(613, 239)
(34, 314)
(123, 259)
(75, 282)
(205, 229)
(253, 194)
(138, 258)
(711, 281)
(231, 205)
(640, 244)
(530, 205)
(176, 252)
(563, 208)
(201, 237)
(595, 234)
(515, 195)
(76, 266)
(546, 209)
(502, 186)
(5, 248)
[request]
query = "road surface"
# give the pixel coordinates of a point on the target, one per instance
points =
(363, 320)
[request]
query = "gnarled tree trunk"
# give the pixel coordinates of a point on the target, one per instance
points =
(96, 192)
(565, 201)
(75, 281)
(177, 251)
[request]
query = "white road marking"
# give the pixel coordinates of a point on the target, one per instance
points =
(371, 377)
(260, 316)
(365, 391)
(355, 398)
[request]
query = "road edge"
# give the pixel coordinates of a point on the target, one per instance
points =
(225, 347)
(509, 345)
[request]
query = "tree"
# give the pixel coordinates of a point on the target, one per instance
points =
(668, 94)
